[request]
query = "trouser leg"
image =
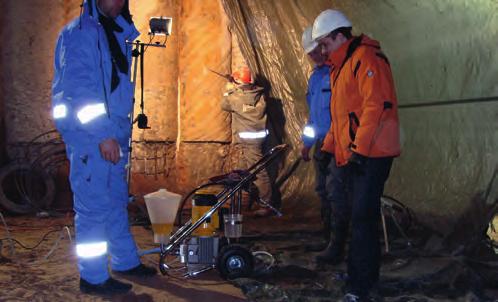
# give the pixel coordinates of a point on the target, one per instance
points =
(89, 182)
(91, 245)
(250, 155)
(321, 162)
(101, 221)
(340, 214)
(122, 246)
(367, 187)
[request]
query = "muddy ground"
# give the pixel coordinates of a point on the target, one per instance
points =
(420, 272)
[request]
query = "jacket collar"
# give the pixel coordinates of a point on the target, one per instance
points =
(90, 10)
(337, 57)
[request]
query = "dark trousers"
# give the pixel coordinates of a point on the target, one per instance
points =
(365, 187)
(321, 161)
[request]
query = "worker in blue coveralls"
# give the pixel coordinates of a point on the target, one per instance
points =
(91, 101)
(330, 186)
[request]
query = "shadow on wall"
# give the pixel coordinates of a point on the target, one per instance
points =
(276, 127)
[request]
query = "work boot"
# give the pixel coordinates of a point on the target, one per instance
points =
(263, 212)
(109, 287)
(322, 244)
(326, 213)
(334, 252)
(140, 270)
(349, 297)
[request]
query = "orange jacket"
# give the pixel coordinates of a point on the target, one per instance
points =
(363, 107)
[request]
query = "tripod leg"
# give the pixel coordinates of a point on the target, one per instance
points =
(384, 228)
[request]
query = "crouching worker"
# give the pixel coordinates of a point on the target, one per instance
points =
(246, 102)
(91, 100)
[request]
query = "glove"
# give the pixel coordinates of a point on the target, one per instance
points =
(305, 153)
(357, 162)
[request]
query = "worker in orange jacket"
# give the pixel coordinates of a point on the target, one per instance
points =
(364, 137)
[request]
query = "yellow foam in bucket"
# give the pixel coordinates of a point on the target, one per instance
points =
(162, 206)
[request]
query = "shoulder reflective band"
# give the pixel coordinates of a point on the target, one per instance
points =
(253, 134)
(90, 112)
(89, 250)
(59, 111)
(308, 131)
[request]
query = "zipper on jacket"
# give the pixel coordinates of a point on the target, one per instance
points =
(352, 128)
(380, 125)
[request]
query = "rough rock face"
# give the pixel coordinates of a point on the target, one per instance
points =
(189, 134)
(439, 52)
(205, 43)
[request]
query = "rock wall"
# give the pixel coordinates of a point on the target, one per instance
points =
(189, 136)
(205, 43)
(445, 68)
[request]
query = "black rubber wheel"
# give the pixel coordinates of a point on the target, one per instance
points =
(24, 189)
(235, 261)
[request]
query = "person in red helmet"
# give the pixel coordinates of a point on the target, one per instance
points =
(246, 102)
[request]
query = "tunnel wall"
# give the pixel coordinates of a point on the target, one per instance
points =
(442, 55)
(445, 67)
(189, 135)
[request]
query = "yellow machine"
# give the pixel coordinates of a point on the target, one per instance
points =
(202, 243)
(202, 201)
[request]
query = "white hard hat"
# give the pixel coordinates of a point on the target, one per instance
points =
(328, 21)
(308, 43)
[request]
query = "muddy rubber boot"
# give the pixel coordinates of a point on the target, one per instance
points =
(326, 223)
(334, 252)
(322, 245)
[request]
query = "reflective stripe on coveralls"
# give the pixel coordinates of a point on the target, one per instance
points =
(89, 250)
(59, 111)
(86, 113)
(90, 112)
(318, 100)
(253, 134)
(308, 131)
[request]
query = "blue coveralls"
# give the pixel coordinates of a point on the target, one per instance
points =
(330, 185)
(318, 99)
(86, 112)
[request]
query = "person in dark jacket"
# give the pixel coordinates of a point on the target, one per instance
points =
(247, 105)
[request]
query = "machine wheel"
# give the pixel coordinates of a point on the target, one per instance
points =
(235, 261)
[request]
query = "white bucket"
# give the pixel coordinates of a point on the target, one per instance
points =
(162, 207)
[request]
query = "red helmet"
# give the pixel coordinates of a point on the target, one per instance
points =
(243, 75)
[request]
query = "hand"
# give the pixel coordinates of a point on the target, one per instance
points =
(109, 149)
(357, 162)
(229, 86)
(305, 153)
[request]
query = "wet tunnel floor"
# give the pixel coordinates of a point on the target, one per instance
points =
(28, 275)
